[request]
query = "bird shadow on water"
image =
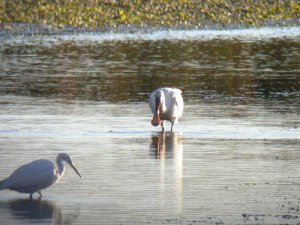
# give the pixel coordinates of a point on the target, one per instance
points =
(33, 211)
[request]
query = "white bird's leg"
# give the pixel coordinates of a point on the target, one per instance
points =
(162, 126)
(40, 193)
(172, 125)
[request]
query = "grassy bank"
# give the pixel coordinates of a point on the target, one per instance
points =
(94, 14)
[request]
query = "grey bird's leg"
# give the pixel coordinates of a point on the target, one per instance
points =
(40, 193)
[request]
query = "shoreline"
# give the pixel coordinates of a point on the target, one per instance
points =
(43, 16)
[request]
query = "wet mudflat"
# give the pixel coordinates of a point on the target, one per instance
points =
(232, 159)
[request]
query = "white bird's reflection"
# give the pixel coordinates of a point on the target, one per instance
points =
(168, 146)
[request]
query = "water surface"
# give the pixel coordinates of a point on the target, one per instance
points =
(232, 159)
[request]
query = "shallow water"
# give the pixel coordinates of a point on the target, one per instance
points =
(233, 157)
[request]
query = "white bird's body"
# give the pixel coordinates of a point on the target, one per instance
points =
(37, 175)
(166, 104)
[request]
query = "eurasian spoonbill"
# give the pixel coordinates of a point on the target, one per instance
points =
(166, 104)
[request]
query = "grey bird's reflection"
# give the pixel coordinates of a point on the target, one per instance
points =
(36, 209)
(167, 147)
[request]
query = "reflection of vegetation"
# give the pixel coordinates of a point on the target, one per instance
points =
(129, 71)
(166, 13)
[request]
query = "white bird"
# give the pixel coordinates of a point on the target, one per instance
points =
(37, 175)
(166, 104)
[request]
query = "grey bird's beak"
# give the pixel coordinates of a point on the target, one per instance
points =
(74, 168)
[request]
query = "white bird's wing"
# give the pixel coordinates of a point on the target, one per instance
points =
(177, 104)
(36, 175)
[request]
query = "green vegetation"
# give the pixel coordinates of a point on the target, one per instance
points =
(94, 14)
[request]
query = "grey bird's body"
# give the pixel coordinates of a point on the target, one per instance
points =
(37, 175)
